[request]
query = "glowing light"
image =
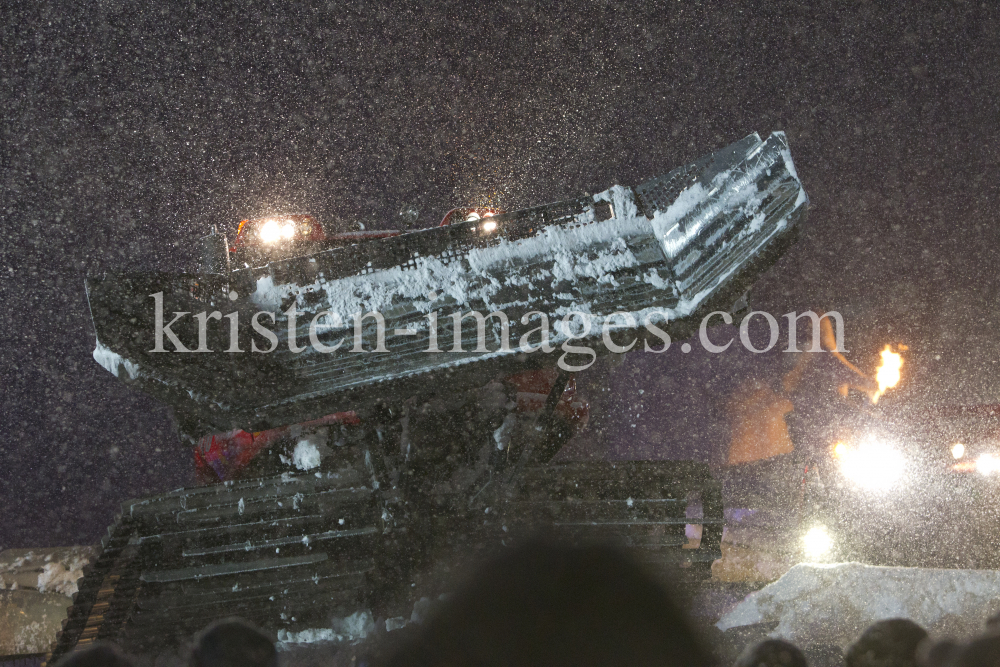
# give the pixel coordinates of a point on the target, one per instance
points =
(988, 464)
(874, 465)
(817, 543)
(270, 232)
(288, 229)
(840, 450)
(957, 450)
(488, 226)
(473, 216)
(887, 375)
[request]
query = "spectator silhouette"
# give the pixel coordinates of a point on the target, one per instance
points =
(983, 651)
(100, 654)
(233, 642)
(771, 653)
(937, 654)
(889, 643)
(547, 604)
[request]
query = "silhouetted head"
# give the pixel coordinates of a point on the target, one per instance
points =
(547, 604)
(890, 643)
(771, 653)
(233, 642)
(97, 655)
(982, 651)
(937, 654)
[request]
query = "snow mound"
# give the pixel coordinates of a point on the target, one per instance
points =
(58, 578)
(51, 570)
(832, 604)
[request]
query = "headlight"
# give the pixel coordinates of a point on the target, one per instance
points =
(988, 464)
(270, 231)
(817, 543)
(273, 231)
(873, 465)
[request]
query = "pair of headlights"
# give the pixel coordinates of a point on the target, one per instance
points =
(273, 231)
(987, 463)
(874, 465)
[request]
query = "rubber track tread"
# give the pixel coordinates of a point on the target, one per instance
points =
(640, 505)
(106, 567)
(270, 550)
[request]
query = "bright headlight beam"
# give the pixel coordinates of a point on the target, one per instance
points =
(488, 226)
(957, 450)
(270, 232)
(874, 466)
(988, 464)
(817, 543)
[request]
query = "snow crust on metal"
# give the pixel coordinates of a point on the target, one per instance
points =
(114, 362)
(351, 629)
(488, 270)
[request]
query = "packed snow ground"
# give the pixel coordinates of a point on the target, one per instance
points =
(816, 604)
(52, 570)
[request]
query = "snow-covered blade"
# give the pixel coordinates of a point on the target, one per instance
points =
(677, 245)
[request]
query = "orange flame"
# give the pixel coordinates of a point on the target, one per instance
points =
(887, 375)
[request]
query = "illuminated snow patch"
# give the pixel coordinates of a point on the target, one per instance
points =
(306, 455)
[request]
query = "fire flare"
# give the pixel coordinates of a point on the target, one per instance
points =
(887, 375)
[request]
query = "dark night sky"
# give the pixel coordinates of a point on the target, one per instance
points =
(128, 129)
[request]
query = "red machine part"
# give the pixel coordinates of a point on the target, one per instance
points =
(533, 389)
(221, 456)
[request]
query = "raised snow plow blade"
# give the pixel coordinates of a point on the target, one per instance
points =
(253, 348)
(386, 462)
